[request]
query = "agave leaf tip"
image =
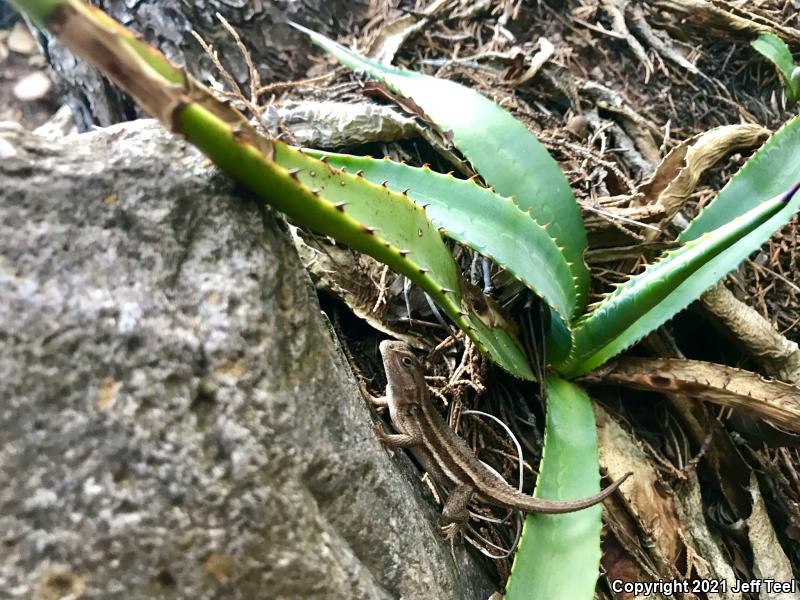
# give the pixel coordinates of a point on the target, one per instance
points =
(792, 191)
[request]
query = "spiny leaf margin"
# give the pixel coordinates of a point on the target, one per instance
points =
(771, 170)
(666, 287)
(500, 148)
(480, 219)
(225, 136)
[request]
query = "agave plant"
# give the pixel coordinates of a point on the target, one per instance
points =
(527, 222)
(775, 49)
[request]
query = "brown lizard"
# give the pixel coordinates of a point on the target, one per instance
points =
(442, 453)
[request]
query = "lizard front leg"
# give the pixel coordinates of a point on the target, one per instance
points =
(396, 440)
(380, 403)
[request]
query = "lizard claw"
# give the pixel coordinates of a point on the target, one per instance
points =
(380, 433)
(377, 402)
(384, 438)
(452, 531)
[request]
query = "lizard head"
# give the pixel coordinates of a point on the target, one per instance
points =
(404, 374)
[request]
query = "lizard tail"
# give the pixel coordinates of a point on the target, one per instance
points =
(566, 506)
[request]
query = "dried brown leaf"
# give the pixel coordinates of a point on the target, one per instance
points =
(659, 529)
(717, 15)
(677, 175)
(772, 400)
(777, 355)
(769, 560)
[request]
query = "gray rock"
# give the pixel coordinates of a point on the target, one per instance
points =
(176, 420)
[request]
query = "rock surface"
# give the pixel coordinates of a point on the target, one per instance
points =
(176, 419)
(279, 52)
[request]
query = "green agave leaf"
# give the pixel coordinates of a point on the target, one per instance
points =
(651, 298)
(498, 146)
(478, 218)
(559, 555)
(366, 216)
(776, 50)
(772, 169)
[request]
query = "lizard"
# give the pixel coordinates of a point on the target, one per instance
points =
(444, 455)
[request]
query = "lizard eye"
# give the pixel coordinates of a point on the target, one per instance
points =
(407, 361)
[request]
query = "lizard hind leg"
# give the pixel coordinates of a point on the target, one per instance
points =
(455, 515)
(455, 508)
